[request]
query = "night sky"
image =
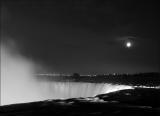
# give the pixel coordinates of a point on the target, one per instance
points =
(85, 36)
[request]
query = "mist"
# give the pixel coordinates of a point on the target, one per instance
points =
(18, 83)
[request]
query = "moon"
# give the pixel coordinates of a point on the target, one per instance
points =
(128, 44)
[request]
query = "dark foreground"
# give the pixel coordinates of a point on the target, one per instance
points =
(137, 102)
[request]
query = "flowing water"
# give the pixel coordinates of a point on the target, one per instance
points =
(63, 90)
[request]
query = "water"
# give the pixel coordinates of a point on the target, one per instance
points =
(63, 90)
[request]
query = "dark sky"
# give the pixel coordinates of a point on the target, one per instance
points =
(85, 36)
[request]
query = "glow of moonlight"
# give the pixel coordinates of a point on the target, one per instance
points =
(128, 44)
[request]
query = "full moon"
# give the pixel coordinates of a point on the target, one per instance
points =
(128, 44)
